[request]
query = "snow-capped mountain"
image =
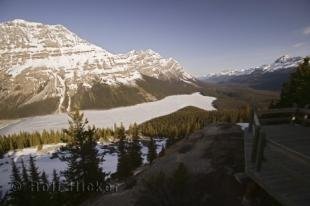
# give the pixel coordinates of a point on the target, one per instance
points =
(268, 76)
(49, 62)
(283, 62)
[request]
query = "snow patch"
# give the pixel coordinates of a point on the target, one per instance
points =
(45, 162)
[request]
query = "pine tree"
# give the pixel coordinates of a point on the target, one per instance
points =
(123, 164)
(83, 161)
(134, 130)
(44, 179)
(40, 146)
(151, 155)
(56, 180)
(44, 195)
(34, 173)
(4, 199)
(35, 182)
(56, 195)
(296, 90)
(16, 194)
(26, 186)
(25, 175)
(135, 148)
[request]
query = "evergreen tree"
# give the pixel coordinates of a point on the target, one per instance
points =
(185, 121)
(56, 197)
(135, 154)
(123, 164)
(25, 176)
(40, 147)
(83, 161)
(44, 195)
(26, 185)
(296, 90)
(134, 131)
(135, 148)
(44, 179)
(119, 132)
(35, 181)
(16, 196)
(151, 155)
(56, 180)
(4, 199)
(34, 173)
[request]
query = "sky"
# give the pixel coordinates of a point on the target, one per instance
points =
(203, 35)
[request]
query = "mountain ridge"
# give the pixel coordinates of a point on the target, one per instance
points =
(49, 62)
(266, 77)
(282, 62)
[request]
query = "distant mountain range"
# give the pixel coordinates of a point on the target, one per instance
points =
(265, 77)
(47, 68)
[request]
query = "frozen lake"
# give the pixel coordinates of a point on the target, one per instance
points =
(106, 118)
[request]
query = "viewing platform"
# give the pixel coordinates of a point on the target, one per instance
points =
(277, 154)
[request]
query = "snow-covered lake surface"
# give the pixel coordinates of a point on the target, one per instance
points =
(106, 118)
(48, 164)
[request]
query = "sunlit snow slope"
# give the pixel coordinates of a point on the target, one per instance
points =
(48, 68)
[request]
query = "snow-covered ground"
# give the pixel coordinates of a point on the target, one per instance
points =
(48, 164)
(106, 118)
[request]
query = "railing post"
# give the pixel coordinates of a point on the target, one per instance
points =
(260, 150)
(255, 142)
(251, 119)
(305, 116)
(295, 115)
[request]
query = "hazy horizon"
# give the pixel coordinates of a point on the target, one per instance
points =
(204, 36)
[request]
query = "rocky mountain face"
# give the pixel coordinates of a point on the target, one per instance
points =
(266, 77)
(47, 68)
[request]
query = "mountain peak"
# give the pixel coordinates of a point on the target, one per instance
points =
(51, 62)
(22, 21)
(283, 62)
(150, 51)
(54, 49)
(17, 21)
(283, 59)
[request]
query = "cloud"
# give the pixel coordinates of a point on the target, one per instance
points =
(307, 30)
(299, 44)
